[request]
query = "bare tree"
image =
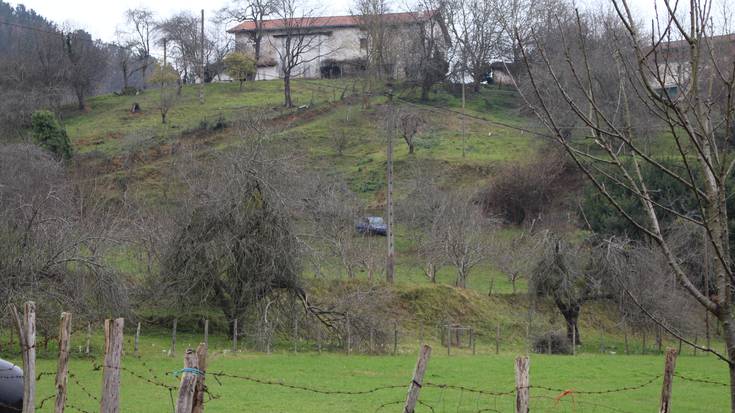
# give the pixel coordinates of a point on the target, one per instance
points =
(477, 32)
(165, 77)
(423, 211)
(425, 46)
(678, 74)
(297, 45)
(124, 57)
(409, 125)
(141, 35)
(333, 210)
(234, 243)
(571, 274)
(466, 238)
(380, 37)
(183, 37)
(87, 62)
(255, 11)
(55, 239)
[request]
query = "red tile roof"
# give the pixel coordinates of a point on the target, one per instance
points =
(326, 21)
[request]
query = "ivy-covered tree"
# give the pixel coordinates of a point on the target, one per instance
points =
(50, 134)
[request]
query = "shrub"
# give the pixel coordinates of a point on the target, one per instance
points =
(520, 191)
(557, 340)
(49, 134)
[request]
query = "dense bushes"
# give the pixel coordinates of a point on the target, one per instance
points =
(49, 134)
(520, 191)
(554, 341)
(667, 193)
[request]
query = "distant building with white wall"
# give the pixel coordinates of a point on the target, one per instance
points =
(340, 45)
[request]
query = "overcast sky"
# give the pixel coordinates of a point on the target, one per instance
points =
(101, 17)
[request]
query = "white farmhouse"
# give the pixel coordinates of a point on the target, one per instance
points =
(339, 44)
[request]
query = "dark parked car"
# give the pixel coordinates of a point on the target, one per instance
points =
(11, 387)
(372, 226)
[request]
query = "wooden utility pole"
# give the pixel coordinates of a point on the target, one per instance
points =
(63, 367)
(418, 379)
(110, 401)
(27, 339)
(668, 381)
(390, 261)
(201, 77)
(185, 402)
(522, 384)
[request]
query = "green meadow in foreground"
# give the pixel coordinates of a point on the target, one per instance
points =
(354, 373)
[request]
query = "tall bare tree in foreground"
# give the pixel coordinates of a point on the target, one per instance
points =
(681, 76)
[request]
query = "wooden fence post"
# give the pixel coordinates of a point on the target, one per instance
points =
(234, 336)
(472, 341)
(110, 401)
(668, 380)
(27, 340)
(643, 349)
(295, 333)
(602, 341)
(625, 337)
(574, 340)
(418, 379)
(694, 347)
(173, 338)
(63, 367)
(200, 387)
(206, 332)
(449, 340)
(137, 339)
(89, 337)
(185, 402)
(372, 341)
(319, 339)
(522, 384)
(349, 334)
(395, 338)
(497, 339)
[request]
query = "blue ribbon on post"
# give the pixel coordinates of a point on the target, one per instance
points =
(192, 370)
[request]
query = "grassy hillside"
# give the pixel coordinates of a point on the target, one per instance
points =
(134, 152)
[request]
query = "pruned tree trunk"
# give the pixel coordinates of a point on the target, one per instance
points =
(571, 316)
(287, 102)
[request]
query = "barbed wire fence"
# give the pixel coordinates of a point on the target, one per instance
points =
(185, 389)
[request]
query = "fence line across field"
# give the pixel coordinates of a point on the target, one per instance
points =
(189, 395)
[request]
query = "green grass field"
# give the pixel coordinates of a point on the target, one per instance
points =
(339, 372)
